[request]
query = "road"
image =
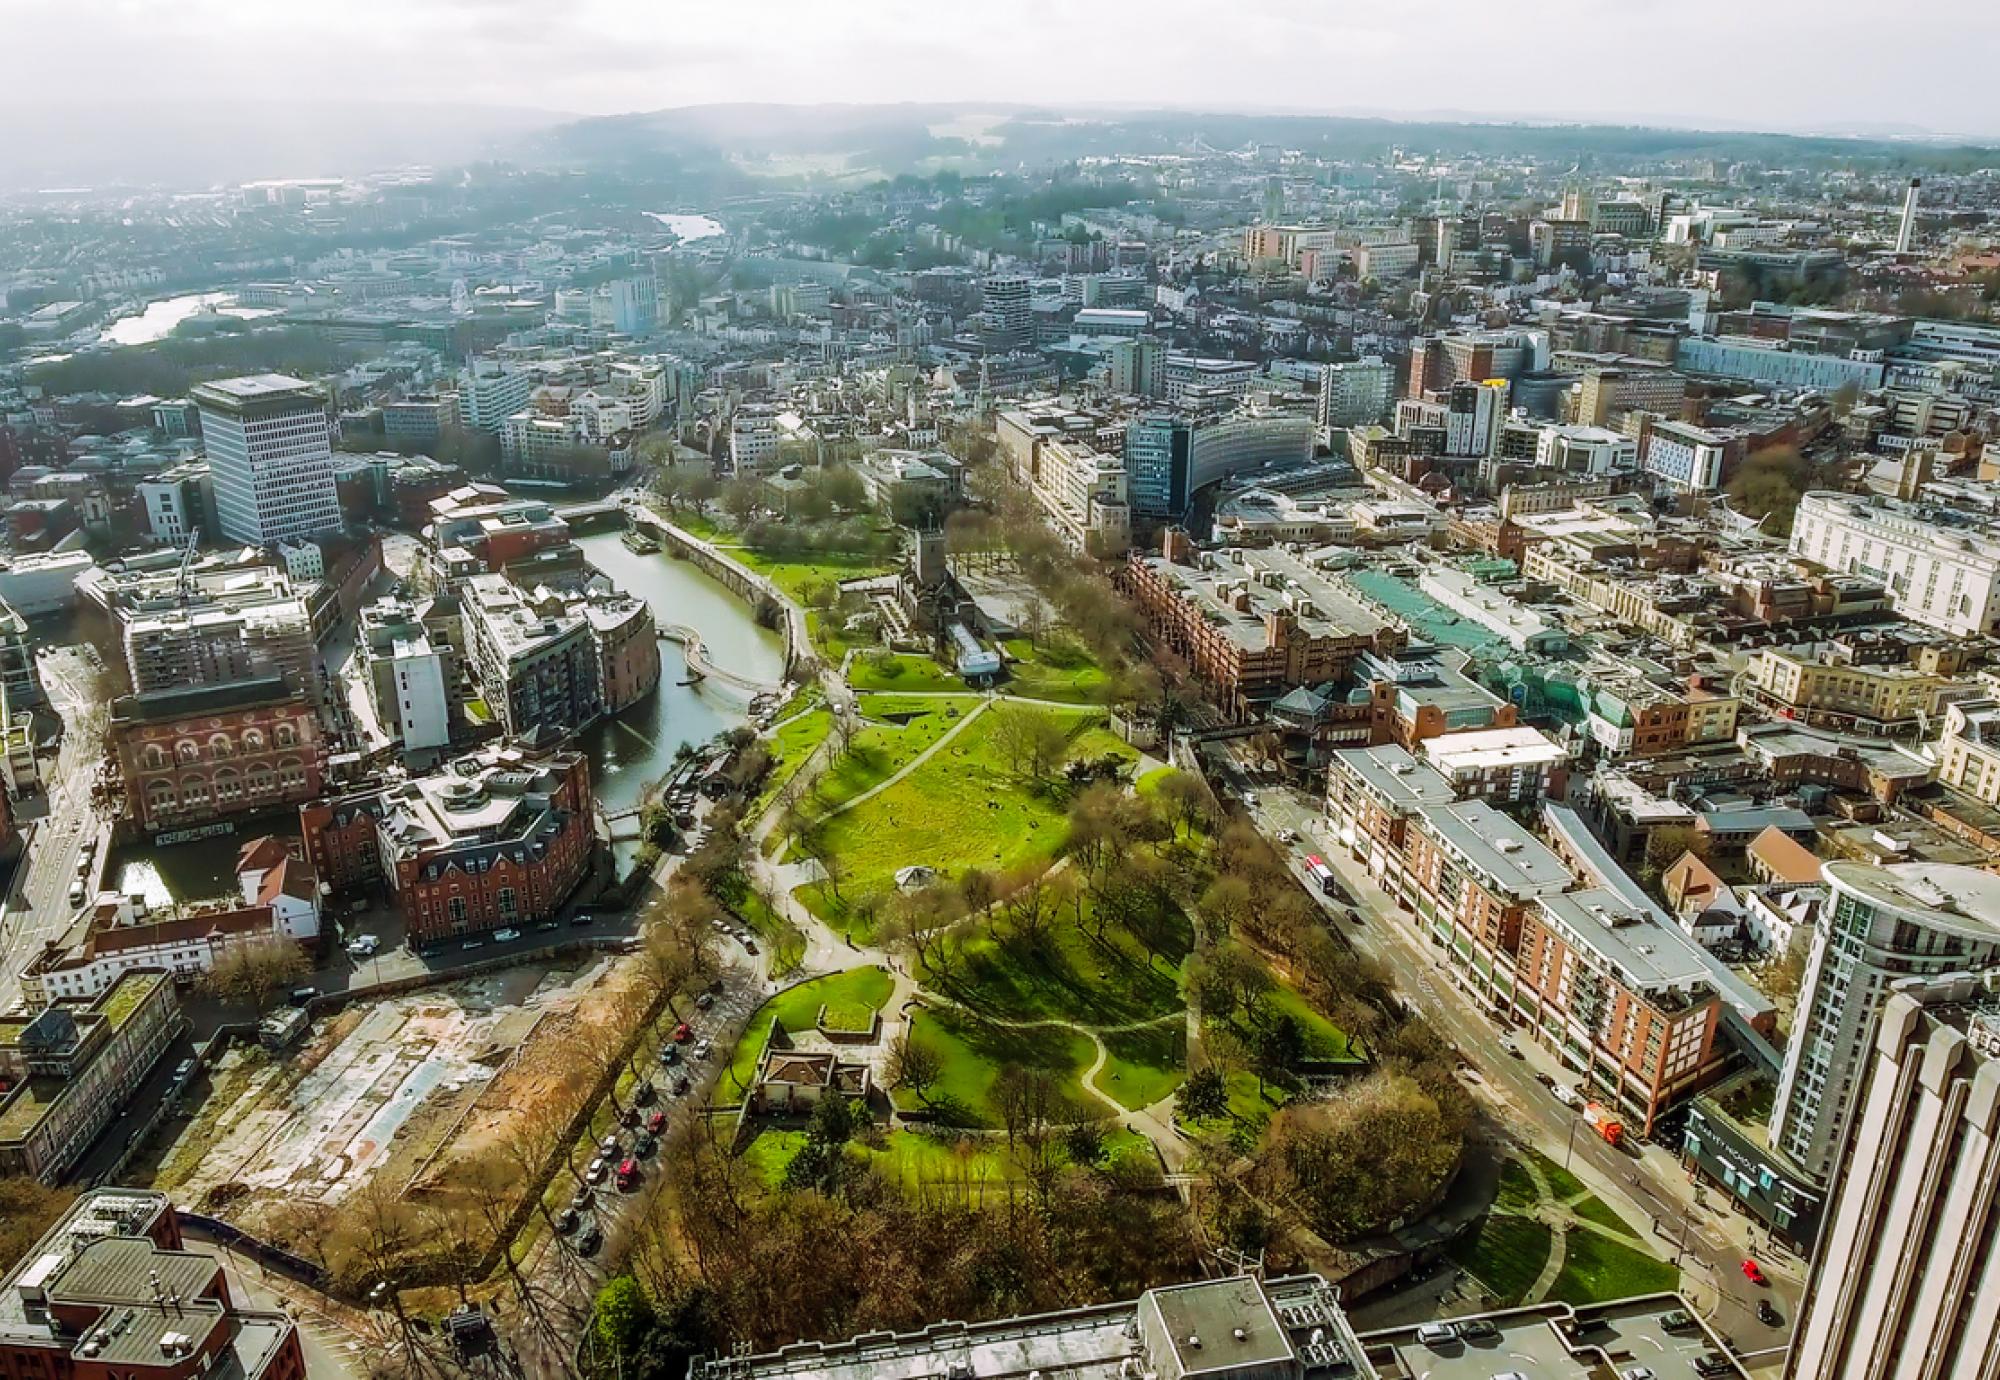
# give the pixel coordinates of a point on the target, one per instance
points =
(1649, 1184)
(40, 908)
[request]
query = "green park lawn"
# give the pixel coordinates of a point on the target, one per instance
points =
(1072, 975)
(790, 746)
(795, 1008)
(914, 1158)
(1057, 670)
(1144, 1065)
(898, 671)
(793, 576)
(973, 1054)
(898, 730)
(1505, 1254)
(963, 808)
(1596, 1269)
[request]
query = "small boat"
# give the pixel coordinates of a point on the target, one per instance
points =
(638, 541)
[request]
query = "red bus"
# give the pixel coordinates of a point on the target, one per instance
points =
(1322, 874)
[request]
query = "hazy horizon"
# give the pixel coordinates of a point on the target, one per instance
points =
(1785, 67)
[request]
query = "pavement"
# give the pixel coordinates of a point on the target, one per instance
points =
(38, 908)
(1686, 1223)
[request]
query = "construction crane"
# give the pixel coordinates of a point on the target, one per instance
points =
(183, 586)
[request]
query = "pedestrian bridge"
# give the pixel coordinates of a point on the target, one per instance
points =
(700, 668)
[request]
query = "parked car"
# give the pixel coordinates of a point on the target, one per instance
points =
(566, 1220)
(1478, 1330)
(76, 893)
(1680, 1320)
(506, 936)
(630, 1116)
(645, 1093)
(749, 944)
(683, 1033)
(1753, 1272)
(645, 1145)
(704, 1001)
(628, 1173)
(590, 1240)
(1437, 1334)
(1636, 1373)
(608, 1146)
(595, 1173)
(681, 1085)
(1766, 1314)
(1566, 1095)
(702, 1049)
(669, 1056)
(656, 1123)
(1713, 1363)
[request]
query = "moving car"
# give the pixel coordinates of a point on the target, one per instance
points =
(1753, 1272)
(506, 936)
(1766, 1314)
(1566, 1095)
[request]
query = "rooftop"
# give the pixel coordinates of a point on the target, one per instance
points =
(1492, 749)
(1392, 775)
(1504, 853)
(1960, 900)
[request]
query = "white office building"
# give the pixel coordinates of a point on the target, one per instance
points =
(1878, 926)
(1356, 393)
(270, 458)
(1593, 452)
(1687, 457)
(1942, 566)
(423, 707)
(490, 391)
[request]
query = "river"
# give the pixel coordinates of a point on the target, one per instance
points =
(688, 229)
(159, 318)
(635, 748)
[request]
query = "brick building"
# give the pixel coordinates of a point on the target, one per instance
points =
(494, 839)
(194, 756)
(110, 1293)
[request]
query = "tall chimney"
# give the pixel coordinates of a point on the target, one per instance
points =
(1909, 226)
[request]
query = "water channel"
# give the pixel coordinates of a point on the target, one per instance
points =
(626, 753)
(159, 318)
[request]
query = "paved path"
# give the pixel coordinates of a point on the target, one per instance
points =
(911, 765)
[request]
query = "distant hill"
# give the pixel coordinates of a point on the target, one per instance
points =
(890, 139)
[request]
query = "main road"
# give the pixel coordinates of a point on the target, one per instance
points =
(38, 907)
(1697, 1228)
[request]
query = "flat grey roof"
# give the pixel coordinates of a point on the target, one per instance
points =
(1498, 847)
(1391, 774)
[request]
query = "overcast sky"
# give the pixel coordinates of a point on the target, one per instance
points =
(1779, 64)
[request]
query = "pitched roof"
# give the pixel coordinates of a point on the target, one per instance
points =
(1784, 857)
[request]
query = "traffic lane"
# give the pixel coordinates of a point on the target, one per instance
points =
(1514, 1081)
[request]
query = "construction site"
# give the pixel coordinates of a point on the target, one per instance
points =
(398, 1096)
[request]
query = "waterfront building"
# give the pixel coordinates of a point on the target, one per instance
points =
(192, 758)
